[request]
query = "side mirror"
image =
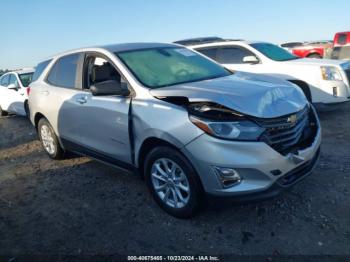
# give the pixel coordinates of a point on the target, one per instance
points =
(13, 87)
(250, 59)
(110, 88)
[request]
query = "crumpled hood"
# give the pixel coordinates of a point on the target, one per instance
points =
(251, 94)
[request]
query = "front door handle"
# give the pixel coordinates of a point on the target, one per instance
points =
(81, 100)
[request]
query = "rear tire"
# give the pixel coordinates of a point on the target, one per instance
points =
(173, 182)
(26, 108)
(49, 140)
(2, 112)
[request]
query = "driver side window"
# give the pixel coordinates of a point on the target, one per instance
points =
(13, 80)
(97, 70)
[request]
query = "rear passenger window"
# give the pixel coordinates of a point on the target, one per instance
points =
(40, 69)
(342, 39)
(64, 72)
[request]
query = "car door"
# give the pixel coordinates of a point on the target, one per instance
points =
(58, 91)
(4, 92)
(16, 96)
(102, 122)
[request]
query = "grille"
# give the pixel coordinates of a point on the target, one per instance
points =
(286, 134)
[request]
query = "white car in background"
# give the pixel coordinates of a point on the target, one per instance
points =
(14, 92)
(324, 82)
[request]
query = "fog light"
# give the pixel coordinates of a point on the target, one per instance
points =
(227, 176)
(335, 91)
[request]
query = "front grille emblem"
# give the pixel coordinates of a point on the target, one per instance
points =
(292, 119)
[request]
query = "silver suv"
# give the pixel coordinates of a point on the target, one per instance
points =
(184, 122)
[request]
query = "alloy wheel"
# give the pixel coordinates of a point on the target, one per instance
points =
(47, 139)
(170, 183)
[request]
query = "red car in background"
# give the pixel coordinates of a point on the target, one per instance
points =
(342, 39)
(341, 48)
(316, 49)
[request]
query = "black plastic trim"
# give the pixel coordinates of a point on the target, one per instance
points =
(82, 150)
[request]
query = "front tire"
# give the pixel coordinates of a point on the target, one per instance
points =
(49, 140)
(2, 112)
(173, 182)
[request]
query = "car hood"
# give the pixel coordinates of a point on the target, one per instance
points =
(251, 94)
(319, 62)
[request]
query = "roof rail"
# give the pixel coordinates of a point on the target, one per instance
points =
(199, 40)
(203, 40)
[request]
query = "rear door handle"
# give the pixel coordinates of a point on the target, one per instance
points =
(81, 100)
(45, 93)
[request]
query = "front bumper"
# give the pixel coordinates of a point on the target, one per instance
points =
(323, 96)
(256, 163)
(330, 106)
(286, 181)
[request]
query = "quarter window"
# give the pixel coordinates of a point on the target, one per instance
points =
(64, 72)
(40, 69)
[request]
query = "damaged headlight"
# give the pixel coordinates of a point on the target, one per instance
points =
(228, 125)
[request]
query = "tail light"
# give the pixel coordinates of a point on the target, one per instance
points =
(28, 90)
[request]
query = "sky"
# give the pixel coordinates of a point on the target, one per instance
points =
(32, 30)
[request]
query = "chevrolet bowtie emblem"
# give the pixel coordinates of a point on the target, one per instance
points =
(292, 119)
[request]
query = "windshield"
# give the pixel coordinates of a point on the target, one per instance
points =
(26, 79)
(274, 52)
(159, 67)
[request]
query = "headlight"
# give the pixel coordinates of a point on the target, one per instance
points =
(331, 73)
(235, 130)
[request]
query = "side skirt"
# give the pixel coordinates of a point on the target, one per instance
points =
(82, 150)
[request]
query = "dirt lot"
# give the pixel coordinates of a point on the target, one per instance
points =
(79, 206)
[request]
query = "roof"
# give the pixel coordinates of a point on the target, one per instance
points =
(134, 46)
(225, 43)
(204, 40)
(21, 71)
(198, 40)
(114, 48)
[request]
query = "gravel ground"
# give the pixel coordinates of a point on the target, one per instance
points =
(79, 206)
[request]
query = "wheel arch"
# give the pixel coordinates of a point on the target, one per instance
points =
(147, 145)
(314, 53)
(304, 87)
(37, 118)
